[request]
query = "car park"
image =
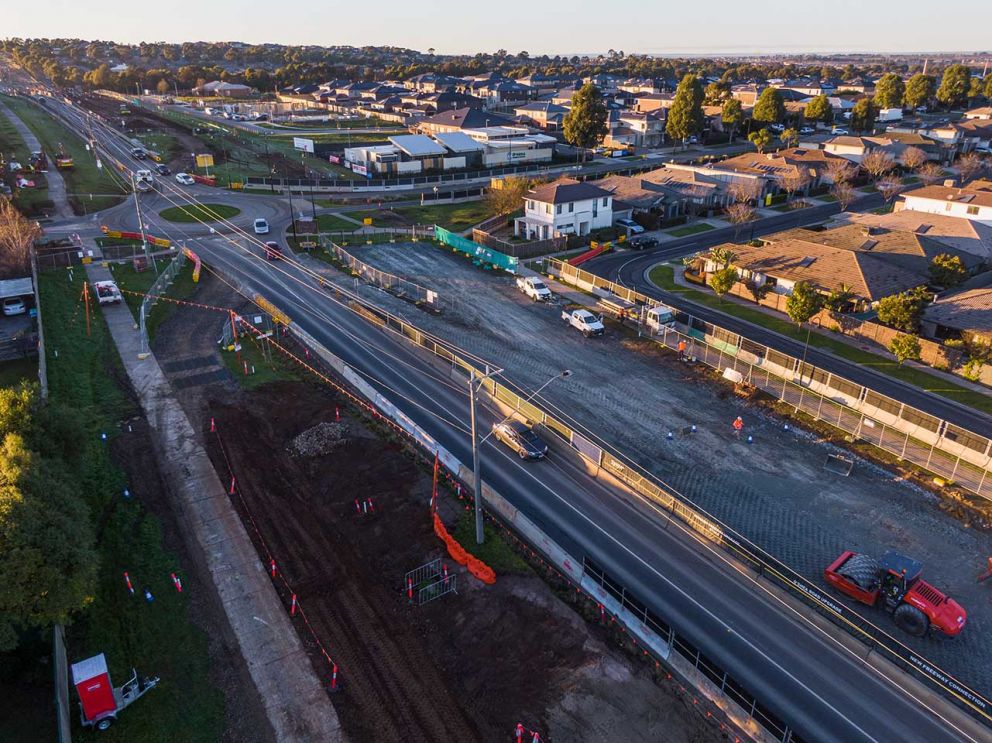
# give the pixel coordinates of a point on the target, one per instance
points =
(631, 226)
(521, 438)
(261, 227)
(14, 306)
(184, 179)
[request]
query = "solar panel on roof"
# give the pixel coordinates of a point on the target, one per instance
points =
(807, 261)
(869, 244)
(922, 229)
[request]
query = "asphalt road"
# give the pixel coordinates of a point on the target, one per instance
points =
(816, 685)
(630, 269)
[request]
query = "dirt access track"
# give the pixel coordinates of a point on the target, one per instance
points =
(774, 491)
(466, 667)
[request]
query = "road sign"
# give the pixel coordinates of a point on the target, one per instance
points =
(204, 161)
(299, 143)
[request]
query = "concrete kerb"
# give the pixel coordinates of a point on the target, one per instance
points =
(294, 701)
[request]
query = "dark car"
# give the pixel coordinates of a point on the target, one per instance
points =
(521, 438)
(643, 243)
(272, 251)
(162, 169)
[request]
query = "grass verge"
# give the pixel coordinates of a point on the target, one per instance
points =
(264, 366)
(334, 223)
(130, 280)
(455, 217)
(496, 553)
(663, 277)
(692, 229)
(156, 637)
(199, 213)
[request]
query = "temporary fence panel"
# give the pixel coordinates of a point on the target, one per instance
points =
(475, 251)
(393, 284)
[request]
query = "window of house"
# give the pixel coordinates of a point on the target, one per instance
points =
(571, 207)
(547, 208)
(973, 210)
(605, 198)
(530, 204)
(557, 208)
(947, 206)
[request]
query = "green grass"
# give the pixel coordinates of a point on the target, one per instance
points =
(334, 223)
(455, 217)
(162, 143)
(199, 212)
(830, 198)
(663, 277)
(130, 280)
(496, 553)
(157, 637)
(14, 371)
(89, 188)
(692, 229)
(261, 370)
(29, 200)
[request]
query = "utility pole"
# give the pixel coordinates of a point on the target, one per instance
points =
(141, 226)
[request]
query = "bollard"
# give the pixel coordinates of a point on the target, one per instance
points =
(337, 414)
(103, 437)
(670, 436)
(602, 614)
(127, 579)
(409, 588)
(750, 440)
(365, 507)
(445, 574)
(786, 426)
(371, 507)
(232, 486)
(272, 568)
(692, 428)
(213, 426)
(519, 733)
(148, 596)
(537, 737)
(334, 677)
(292, 606)
(246, 368)
(177, 583)
(358, 507)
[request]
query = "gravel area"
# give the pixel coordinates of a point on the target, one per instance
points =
(774, 491)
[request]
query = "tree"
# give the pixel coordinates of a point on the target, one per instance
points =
(685, 117)
(975, 89)
(732, 116)
(162, 87)
(844, 193)
(988, 87)
(17, 235)
(877, 163)
(508, 198)
(919, 90)
(890, 91)
(723, 281)
(769, 108)
(789, 137)
(902, 311)
(716, 93)
(905, 347)
(954, 85)
(947, 270)
(913, 157)
(745, 191)
(760, 138)
(840, 298)
(970, 166)
(803, 303)
(740, 213)
(819, 109)
(863, 115)
(793, 181)
(889, 188)
(585, 124)
(930, 173)
(840, 170)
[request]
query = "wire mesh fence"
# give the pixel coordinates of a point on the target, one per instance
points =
(395, 285)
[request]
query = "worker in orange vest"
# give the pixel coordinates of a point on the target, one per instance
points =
(738, 426)
(681, 350)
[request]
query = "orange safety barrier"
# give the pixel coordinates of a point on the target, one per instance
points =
(458, 553)
(589, 254)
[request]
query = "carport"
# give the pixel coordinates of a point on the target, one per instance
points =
(16, 288)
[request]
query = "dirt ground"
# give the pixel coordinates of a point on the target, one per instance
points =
(466, 667)
(774, 491)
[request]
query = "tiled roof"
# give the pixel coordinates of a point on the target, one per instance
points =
(976, 193)
(969, 310)
(564, 190)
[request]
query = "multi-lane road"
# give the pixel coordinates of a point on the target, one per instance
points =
(802, 673)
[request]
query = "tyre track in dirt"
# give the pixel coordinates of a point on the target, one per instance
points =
(390, 687)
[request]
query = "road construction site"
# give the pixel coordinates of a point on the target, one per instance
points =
(467, 666)
(775, 491)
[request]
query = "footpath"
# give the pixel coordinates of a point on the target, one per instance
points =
(56, 184)
(295, 704)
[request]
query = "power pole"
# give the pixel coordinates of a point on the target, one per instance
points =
(476, 464)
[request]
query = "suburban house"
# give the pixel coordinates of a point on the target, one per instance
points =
(973, 201)
(965, 314)
(855, 148)
(664, 192)
(225, 90)
(964, 235)
(646, 102)
(644, 129)
(727, 178)
(564, 207)
(458, 119)
(542, 114)
(982, 114)
(775, 168)
(871, 263)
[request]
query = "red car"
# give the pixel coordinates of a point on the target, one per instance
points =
(272, 251)
(894, 583)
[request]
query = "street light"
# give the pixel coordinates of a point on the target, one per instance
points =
(477, 442)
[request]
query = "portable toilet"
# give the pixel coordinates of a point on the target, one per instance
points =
(92, 681)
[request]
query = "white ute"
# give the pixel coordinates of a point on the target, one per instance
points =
(584, 321)
(107, 292)
(534, 288)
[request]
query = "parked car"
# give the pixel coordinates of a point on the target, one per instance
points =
(642, 243)
(631, 225)
(14, 306)
(521, 438)
(777, 128)
(107, 292)
(261, 227)
(273, 251)
(184, 179)
(839, 130)
(807, 130)
(162, 169)
(534, 288)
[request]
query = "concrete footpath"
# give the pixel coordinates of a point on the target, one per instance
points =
(296, 705)
(56, 184)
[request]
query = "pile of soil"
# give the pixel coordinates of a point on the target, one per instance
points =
(468, 666)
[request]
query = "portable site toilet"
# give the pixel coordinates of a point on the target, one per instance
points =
(96, 693)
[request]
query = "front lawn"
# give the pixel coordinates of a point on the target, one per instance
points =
(691, 229)
(199, 213)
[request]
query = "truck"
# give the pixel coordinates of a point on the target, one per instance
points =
(895, 584)
(534, 288)
(659, 317)
(107, 292)
(584, 321)
(890, 114)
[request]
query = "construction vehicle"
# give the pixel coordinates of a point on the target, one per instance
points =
(62, 159)
(99, 702)
(894, 583)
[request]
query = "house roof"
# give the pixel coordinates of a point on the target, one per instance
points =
(966, 235)
(985, 111)
(969, 310)
(635, 192)
(976, 193)
(547, 107)
(564, 190)
(418, 145)
(466, 118)
(459, 142)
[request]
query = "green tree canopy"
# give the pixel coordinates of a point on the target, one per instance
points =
(760, 138)
(889, 91)
(954, 85)
(732, 116)
(769, 108)
(905, 347)
(902, 311)
(804, 302)
(819, 109)
(685, 117)
(585, 124)
(919, 90)
(716, 93)
(988, 87)
(723, 281)
(863, 115)
(947, 270)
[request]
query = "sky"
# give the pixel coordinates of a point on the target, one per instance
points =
(545, 27)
